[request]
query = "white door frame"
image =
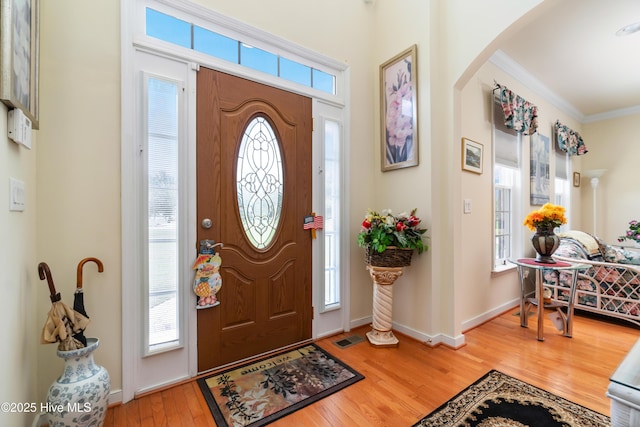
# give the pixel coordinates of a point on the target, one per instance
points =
(133, 42)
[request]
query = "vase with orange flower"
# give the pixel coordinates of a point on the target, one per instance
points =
(544, 221)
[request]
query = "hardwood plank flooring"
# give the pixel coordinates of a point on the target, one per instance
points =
(404, 384)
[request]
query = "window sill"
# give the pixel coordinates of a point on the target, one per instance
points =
(500, 269)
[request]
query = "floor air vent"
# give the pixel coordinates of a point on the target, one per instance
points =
(349, 341)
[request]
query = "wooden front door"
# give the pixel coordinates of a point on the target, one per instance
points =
(254, 184)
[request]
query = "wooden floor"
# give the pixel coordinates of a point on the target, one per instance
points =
(404, 384)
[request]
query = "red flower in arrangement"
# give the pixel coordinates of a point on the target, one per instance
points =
(380, 230)
(413, 221)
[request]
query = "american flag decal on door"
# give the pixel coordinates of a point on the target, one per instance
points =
(313, 222)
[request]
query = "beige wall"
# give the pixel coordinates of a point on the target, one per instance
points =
(613, 145)
(79, 171)
(19, 284)
(486, 291)
(404, 189)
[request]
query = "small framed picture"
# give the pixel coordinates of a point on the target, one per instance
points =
(576, 179)
(472, 155)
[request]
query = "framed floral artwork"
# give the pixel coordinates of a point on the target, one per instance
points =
(19, 44)
(472, 156)
(399, 111)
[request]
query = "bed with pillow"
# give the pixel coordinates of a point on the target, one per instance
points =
(611, 285)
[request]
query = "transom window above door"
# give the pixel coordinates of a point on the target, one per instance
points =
(182, 33)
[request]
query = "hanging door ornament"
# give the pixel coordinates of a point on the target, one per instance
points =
(208, 281)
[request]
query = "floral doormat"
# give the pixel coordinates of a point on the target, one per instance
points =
(497, 399)
(262, 391)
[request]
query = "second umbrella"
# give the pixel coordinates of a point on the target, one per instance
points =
(78, 299)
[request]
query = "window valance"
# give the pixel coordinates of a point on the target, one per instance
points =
(519, 114)
(569, 140)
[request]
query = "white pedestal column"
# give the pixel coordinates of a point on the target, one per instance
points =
(383, 279)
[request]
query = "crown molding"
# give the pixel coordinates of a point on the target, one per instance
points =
(613, 114)
(515, 70)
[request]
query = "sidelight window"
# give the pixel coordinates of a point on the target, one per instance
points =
(332, 144)
(162, 214)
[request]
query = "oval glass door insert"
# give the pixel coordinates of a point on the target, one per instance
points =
(259, 182)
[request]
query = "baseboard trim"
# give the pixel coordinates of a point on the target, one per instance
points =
(430, 340)
(489, 315)
(115, 397)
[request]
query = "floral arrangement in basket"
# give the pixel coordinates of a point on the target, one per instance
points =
(382, 230)
(548, 216)
(633, 233)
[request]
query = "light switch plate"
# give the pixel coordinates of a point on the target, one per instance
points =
(467, 206)
(16, 195)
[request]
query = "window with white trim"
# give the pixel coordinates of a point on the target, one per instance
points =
(160, 156)
(506, 190)
(182, 33)
(562, 186)
(332, 178)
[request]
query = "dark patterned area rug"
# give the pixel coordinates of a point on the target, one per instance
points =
(497, 399)
(262, 391)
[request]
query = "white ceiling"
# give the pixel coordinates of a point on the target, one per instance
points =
(571, 53)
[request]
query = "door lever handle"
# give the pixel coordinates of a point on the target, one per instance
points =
(205, 246)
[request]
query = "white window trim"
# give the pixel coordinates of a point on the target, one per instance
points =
(517, 201)
(324, 113)
(569, 185)
(334, 321)
(183, 212)
(132, 40)
(504, 265)
(238, 30)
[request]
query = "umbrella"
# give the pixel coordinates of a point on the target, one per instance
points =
(78, 299)
(62, 321)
